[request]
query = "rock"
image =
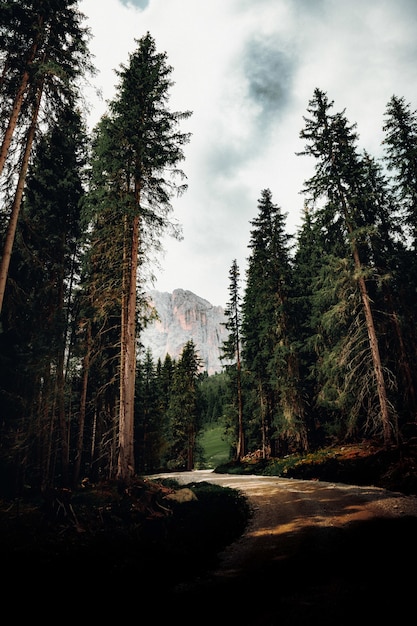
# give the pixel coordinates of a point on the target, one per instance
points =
(182, 495)
(184, 316)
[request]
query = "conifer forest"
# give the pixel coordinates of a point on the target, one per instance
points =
(322, 338)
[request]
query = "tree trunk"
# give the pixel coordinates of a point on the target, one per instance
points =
(11, 229)
(240, 448)
(404, 362)
(17, 104)
(376, 358)
(83, 407)
(264, 427)
(387, 431)
(60, 384)
(63, 424)
(126, 460)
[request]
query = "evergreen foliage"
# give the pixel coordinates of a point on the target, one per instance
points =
(269, 352)
(322, 342)
(40, 314)
(340, 183)
(136, 153)
(45, 54)
(231, 353)
(184, 409)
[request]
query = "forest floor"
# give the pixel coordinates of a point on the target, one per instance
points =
(156, 533)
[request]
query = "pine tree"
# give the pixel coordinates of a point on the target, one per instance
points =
(148, 419)
(392, 260)
(231, 351)
(137, 150)
(44, 47)
(401, 157)
(400, 144)
(45, 52)
(164, 381)
(334, 363)
(308, 260)
(268, 348)
(184, 409)
(339, 183)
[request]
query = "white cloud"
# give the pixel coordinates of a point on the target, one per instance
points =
(247, 69)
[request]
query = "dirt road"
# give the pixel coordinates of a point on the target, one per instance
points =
(313, 553)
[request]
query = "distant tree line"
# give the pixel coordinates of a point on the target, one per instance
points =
(322, 342)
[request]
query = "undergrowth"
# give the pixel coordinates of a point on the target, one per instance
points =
(366, 463)
(100, 534)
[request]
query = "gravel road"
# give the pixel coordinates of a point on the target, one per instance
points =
(313, 553)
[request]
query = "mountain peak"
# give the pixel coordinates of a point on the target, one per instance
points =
(182, 316)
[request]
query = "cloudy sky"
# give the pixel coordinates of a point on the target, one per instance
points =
(247, 70)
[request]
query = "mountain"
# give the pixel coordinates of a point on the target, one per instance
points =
(183, 316)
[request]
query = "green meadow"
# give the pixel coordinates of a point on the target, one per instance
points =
(216, 450)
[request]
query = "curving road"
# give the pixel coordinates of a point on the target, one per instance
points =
(313, 553)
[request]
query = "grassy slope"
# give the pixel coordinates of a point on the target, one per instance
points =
(216, 448)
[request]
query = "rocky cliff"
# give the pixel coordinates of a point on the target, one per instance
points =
(182, 316)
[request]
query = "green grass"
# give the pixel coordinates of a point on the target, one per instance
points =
(216, 450)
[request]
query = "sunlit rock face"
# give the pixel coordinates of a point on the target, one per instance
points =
(184, 316)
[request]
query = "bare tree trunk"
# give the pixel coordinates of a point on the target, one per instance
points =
(240, 448)
(376, 358)
(387, 431)
(12, 226)
(18, 101)
(83, 408)
(262, 401)
(60, 387)
(93, 446)
(404, 362)
(126, 459)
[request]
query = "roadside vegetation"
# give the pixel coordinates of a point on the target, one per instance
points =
(162, 533)
(365, 463)
(101, 532)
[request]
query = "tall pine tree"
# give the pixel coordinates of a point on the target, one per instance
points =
(338, 183)
(45, 52)
(268, 347)
(135, 172)
(231, 352)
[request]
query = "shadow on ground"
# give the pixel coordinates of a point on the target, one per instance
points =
(350, 575)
